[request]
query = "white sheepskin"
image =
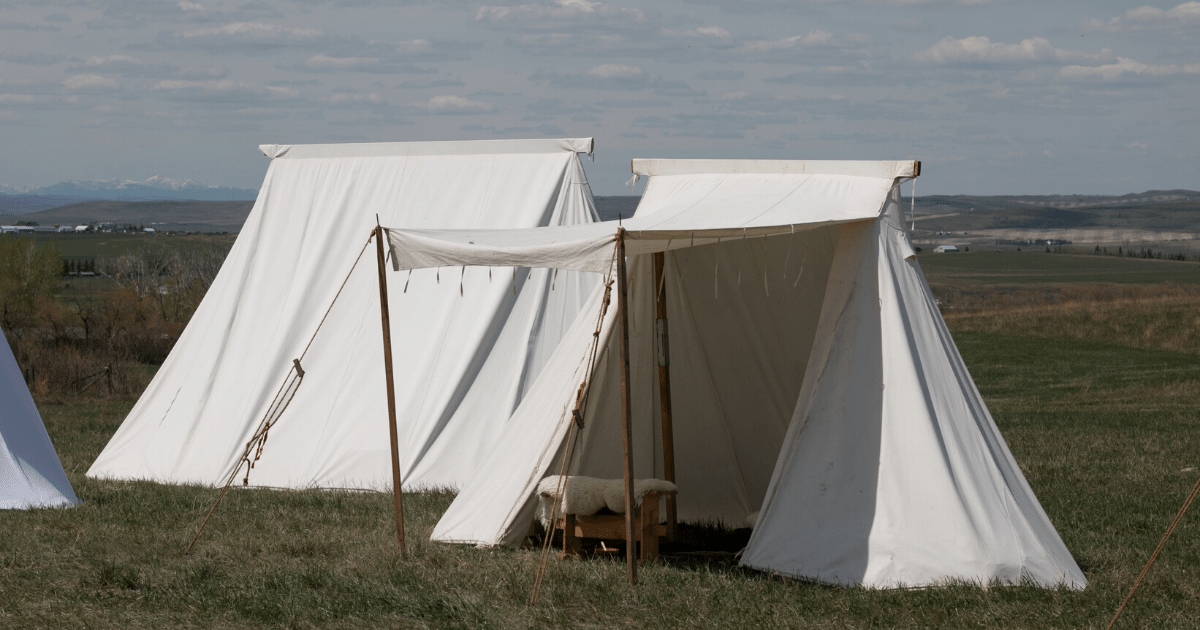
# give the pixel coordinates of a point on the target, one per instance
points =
(588, 495)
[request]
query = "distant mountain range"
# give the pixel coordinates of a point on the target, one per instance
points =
(18, 200)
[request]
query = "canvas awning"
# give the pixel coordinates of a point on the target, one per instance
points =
(683, 206)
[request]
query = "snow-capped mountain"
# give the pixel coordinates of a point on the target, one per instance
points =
(24, 199)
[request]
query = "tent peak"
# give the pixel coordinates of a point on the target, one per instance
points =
(461, 147)
(860, 168)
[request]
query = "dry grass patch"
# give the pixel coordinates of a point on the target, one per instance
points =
(1165, 317)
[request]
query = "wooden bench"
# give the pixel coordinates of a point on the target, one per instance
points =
(646, 528)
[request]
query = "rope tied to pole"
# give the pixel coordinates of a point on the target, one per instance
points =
(279, 404)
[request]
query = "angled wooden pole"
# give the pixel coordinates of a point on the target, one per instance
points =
(391, 390)
(664, 388)
(626, 412)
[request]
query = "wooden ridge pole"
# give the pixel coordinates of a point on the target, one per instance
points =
(626, 412)
(391, 390)
(664, 388)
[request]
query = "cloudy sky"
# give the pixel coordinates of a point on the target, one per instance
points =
(995, 97)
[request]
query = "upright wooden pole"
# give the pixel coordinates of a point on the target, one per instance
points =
(391, 390)
(664, 388)
(626, 412)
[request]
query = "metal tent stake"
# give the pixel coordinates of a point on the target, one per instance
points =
(626, 412)
(391, 390)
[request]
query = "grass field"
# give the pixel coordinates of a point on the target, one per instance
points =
(1038, 267)
(1105, 432)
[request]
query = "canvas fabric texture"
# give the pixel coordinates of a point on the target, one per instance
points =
(467, 343)
(813, 381)
(31, 475)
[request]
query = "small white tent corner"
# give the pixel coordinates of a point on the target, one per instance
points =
(812, 379)
(31, 475)
(468, 343)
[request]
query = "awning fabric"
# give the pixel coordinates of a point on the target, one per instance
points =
(688, 209)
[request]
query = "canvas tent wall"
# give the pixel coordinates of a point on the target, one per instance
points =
(812, 380)
(30, 474)
(467, 343)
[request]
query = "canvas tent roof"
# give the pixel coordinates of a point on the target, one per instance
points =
(812, 378)
(30, 474)
(462, 363)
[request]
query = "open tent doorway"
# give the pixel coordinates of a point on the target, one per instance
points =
(888, 470)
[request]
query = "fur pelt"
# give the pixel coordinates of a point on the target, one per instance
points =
(588, 495)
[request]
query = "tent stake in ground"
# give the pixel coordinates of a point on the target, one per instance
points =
(391, 391)
(626, 411)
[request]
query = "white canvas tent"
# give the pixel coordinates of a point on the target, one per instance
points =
(811, 376)
(30, 474)
(467, 343)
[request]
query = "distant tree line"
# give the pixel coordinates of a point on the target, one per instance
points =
(128, 317)
(1144, 252)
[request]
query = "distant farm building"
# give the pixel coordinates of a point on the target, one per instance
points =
(945, 249)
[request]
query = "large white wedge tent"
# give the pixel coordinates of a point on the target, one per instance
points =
(467, 343)
(812, 380)
(30, 474)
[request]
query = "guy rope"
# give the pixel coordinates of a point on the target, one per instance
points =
(576, 423)
(287, 391)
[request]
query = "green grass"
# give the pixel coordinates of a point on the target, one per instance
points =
(1105, 434)
(1038, 267)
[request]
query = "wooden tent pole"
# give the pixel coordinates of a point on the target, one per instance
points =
(664, 388)
(391, 390)
(626, 412)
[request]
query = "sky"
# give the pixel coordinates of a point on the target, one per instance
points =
(994, 97)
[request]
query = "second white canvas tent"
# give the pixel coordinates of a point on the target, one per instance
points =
(812, 378)
(462, 363)
(30, 474)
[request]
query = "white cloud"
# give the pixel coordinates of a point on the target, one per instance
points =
(557, 14)
(30, 58)
(979, 50)
(615, 71)
(808, 47)
(243, 36)
(760, 6)
(9, 25)
(23, 99)
(90, 83)
(617, 77)
(385, 58)
(1149, 20)
(357, 99)
(721, 75)
(223, 91)
(449, 104)
(125, 65)
(1125, 69)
